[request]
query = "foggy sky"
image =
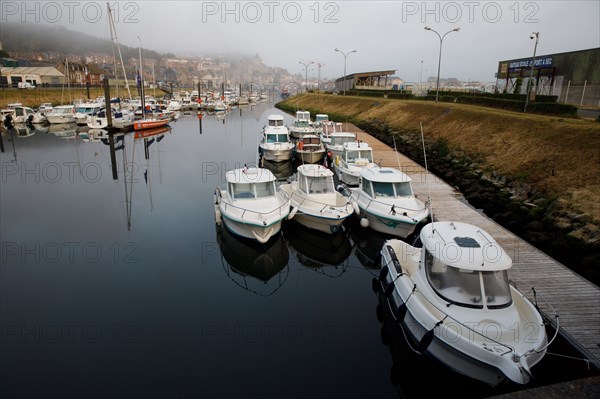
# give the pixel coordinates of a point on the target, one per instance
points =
(386, 34)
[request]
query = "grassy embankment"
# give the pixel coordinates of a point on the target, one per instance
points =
(560, 157)
(57, 96)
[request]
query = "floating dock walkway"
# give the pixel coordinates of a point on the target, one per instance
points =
(575, 299)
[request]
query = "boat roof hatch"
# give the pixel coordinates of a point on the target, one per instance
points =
(249, 175)
(275, 117)
(464, 246)
(385, 175)
(314, 170)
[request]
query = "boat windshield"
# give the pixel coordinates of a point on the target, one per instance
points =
(318, 185)
(301, 123)
(352, 156)
(385, 189)
(252, 190)
(464, 287)
(275, 122)
(276, 138)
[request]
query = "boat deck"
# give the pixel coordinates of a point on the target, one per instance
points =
(575, 299)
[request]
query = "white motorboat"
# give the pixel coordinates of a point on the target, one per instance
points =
(309, 149)
(45, 108)
(335, 142)
(84, 110)
(22, 114)
(314, 200)
(174, 105)
(276, 145)
(301, 125)
(385, 202)
(327, 128)
(320, 120)
(355, 157)
(62, 114)
(453, 301)
(251, 206)
(121, 119)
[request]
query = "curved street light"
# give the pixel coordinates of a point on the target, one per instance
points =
(345, 56)
(536, 36)
(306, 73)
(437, 85)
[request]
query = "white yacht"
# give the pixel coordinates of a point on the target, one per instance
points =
(276, 145)
(454, 302)
(62, 114)
(385, 202)
(84, 110)
(301, 125)
(355, 156)
(336, 141)
(309, 149)
(251, 206)
(315, 202)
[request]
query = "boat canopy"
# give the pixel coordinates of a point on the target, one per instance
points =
(303, 115)
(385, 175)
(464, 246)
(314, 170)
(249, 175)
(275, 120)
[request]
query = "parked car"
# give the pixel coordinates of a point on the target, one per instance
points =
(25, 85)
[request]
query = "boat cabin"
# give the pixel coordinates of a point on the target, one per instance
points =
(250, 183)
(303, 116)
(386, 183)
(315, 179)
(358, 153)
(465, 266)
(23, 112)
(275, 121)
(339, 139)
(319, 118)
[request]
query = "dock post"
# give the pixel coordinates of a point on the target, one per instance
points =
(107, 105)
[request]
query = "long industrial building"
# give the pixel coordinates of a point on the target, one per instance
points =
(573, 76)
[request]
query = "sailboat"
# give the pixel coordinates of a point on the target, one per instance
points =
(147, 122)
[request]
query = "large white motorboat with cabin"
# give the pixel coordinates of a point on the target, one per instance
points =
(276, 145)
(454, 302)
(85, 110)
(309, 149)
(336, 141)
(62, 114)
(251, 206)
(315, 202)
(355, 157)
(301, 125)
(121, 119)
(385, 202)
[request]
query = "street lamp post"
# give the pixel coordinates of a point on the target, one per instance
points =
(536, 36)
(345, 56)
(306, 73)
(437, 85)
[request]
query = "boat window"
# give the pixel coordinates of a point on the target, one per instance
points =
(278, 123)
(301, 123)
(272, 123)
(272, 138)
(497, 289)
(265, 189)
(403, 189)
(366, 186)
(242, 190)
(383, 189)
(321, 185)
(302, 183)
(458, 286)
(19, 112)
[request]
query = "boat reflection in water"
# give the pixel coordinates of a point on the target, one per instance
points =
(64, 130)
(326, 253)
(258, 268)
(281, 170)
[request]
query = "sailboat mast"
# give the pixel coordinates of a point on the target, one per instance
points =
(142, 81)
(113, 28)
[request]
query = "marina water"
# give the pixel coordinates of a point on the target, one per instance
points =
(127, 288)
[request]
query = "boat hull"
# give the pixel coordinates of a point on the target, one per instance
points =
(325, 225)
(346, 176)
(57, 119)
(389, 226)
(261, 234)
(310, 156)
(276, 155)
(141, 125)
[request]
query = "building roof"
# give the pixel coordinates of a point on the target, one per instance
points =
(367, 74)
(41, 71)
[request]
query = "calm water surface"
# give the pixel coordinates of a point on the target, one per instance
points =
(126, 288)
